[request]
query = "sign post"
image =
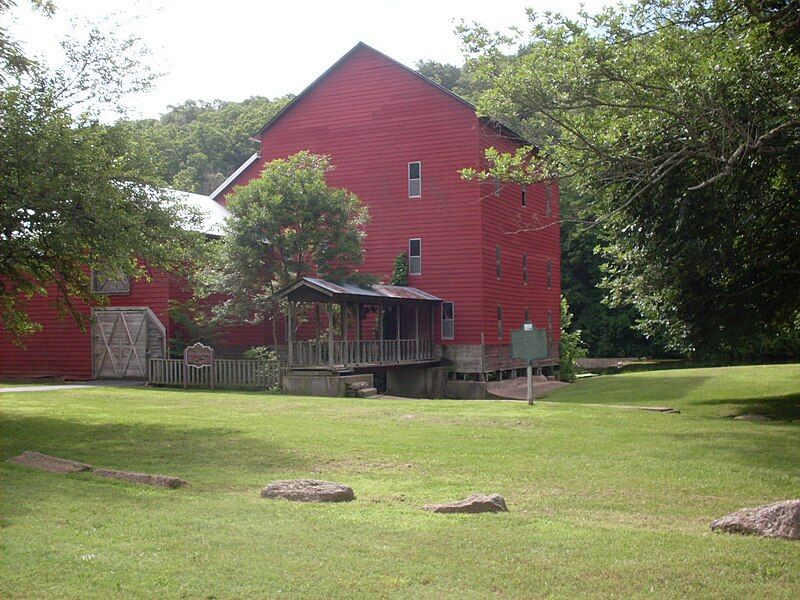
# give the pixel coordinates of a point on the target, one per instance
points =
(530, 344)
(198, 356)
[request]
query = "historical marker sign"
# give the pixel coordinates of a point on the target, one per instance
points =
(530, 344)
(198, 356)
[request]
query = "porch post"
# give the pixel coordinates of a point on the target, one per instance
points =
(416, 331)
(380, 332)
(345, 353)
(358, 332)
(289, 332)
(397, 330)
(330, 334)
(319, 336)
(433, 330)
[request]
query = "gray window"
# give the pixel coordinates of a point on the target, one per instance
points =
(448, 320)
(414, 179)
(524, 268)
(499, 322)
(415, 256)
(498, 263)
(109, 285)
(497, 186)
(548, 200)
(527, 319)
(524, 194)
(549, 274)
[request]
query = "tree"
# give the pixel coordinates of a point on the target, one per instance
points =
(198, 144)
(13, 61)
(77, 195)
(285, 224)
(680, 118)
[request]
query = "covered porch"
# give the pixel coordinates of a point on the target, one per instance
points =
(399, 323)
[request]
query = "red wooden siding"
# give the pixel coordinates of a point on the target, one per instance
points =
(373, 117)
(502, 215)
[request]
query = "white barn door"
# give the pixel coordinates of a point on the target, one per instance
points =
(122, 341)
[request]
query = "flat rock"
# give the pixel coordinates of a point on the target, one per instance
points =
(144, 478)
(756, 418)
(45, 462)
(778, 520)
(475, 503)
(308, 490)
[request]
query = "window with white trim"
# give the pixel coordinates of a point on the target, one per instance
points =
(448, 320)
(415, 256)
(414, 179)
(110, 285)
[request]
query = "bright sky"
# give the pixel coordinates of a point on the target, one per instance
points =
(233, 49)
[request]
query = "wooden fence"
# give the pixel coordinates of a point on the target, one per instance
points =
(228, 373)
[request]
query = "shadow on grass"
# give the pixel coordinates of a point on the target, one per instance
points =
(778, 408)
(139, 447)
(655, 390)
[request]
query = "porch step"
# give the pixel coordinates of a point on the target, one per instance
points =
(366, 392)
(358, 385)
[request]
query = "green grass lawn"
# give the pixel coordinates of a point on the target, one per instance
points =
(603, 502)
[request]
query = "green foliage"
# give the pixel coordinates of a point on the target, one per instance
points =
(13, 61)
(571, 348)
(191, 324)
(198, 144)
(261, 353)
(400, 270)
(76, 194)
(287, 224)
(679, 120)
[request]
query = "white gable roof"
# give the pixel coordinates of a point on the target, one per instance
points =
(213, 213)
(234, 175)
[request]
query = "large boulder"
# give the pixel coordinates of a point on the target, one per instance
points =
(308, 490)
(475, 503)
(53, 464)
(778, 520)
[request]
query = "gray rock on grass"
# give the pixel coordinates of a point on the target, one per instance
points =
(166, 481)
(308, 490)
(778, 520)
(53, 464)
(475, 503)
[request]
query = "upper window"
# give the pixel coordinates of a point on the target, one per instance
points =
(548, 200)
(415, 256)
(524, 268)
(524, 194)
(109, 285)
(498, 263)
(448, 320)
(549, 274)
(497, 186)
(414, 179)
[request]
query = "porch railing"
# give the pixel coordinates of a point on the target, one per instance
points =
(365, 352)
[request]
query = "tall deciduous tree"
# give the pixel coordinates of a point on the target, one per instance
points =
(285, 224)
(76, 194)
(680, 117)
